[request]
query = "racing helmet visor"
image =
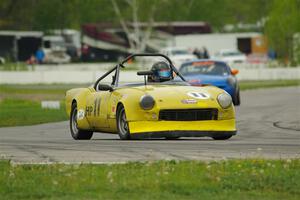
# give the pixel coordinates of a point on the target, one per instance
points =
(164, 73)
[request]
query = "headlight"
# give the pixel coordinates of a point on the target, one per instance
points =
(224, 100)
(147, 102)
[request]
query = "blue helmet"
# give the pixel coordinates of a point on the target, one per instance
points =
(161, 72)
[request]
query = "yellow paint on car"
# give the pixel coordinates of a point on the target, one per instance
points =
(100, 108)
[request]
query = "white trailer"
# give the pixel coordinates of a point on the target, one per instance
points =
(217, 41)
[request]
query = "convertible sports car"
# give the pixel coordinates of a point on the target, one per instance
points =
(157, 106)
(212, 72)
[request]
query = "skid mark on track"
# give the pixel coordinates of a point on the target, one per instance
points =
(293, 126)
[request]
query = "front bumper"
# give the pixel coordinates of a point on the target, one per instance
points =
(175, 134)
(182, 128)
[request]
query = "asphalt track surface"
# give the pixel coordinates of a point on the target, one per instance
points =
(268, 123)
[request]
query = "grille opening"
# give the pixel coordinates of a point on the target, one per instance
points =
(188, 114)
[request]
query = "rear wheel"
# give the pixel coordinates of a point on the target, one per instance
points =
(222, 137)
(122, 124)
(77, 133)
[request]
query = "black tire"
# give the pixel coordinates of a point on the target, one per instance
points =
(122, 124)
(77, 133)
(222, 137)
(237, 99)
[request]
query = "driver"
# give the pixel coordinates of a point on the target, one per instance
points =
(161, 72)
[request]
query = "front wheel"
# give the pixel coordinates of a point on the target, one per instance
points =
(122, 124)
(77, 133)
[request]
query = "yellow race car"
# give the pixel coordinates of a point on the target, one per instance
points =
(162, 104)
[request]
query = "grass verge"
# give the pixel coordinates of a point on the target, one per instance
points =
(235, 179)
(247, 85)
(19, 66)
(18, 112)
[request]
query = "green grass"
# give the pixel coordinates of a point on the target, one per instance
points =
(38, 89)
(19, 66)
(247, 85)
(235, 179)
(21, 104)
(17, 112)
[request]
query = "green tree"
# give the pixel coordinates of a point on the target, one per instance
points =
(282, 25)
(17, 14)
(58, 14)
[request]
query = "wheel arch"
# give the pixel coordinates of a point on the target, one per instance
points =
(123, 135)
(119, 105)
(80, 98)
(73, 102)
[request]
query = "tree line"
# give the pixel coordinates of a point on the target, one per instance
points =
(281, 17)
(45, 14)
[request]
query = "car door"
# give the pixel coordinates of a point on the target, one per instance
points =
(97, 108)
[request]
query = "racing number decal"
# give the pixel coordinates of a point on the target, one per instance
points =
(198, 95)
(93, 110)
(88, 110)
(97, 107)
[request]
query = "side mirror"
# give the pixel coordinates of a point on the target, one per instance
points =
(104, 87)
(145, 73)
(234, 71)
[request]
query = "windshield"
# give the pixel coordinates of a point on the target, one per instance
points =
(205, 68)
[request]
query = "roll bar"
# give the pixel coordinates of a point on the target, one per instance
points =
(121, 64)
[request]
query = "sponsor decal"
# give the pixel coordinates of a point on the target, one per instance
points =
(154, 116)
(189, 101)
(195, 81)
(97, 107)
(94, 109)
(198, 95)
(80, 114)
(89, 110)
(203, 63)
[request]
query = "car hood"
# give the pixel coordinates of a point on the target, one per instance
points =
(167, 96)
